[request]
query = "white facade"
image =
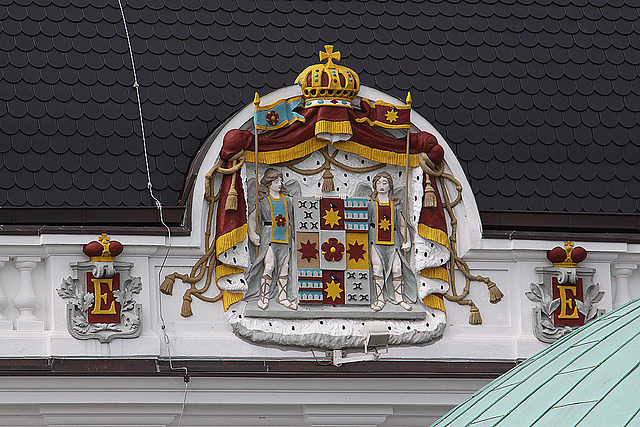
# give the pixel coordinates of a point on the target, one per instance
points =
(34, 327)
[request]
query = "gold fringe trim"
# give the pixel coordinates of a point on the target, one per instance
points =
(326, 126)
(435, 302)
(227, 240)
(379, 103)
(380, 156)
(434, 234)
(382, 124)
(436, 273)
(281, 125)
(229, 298)
(223, 270)
(286, 154)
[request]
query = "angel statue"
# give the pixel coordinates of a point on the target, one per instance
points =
(392, 277)
(274, 238)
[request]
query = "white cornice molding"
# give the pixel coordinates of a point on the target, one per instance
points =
(229, 401)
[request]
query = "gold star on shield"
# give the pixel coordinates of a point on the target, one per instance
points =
(332, 218)
(392, 115)
(333, 290)
(385, 224)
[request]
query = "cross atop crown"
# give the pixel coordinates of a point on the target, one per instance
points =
(329, 55)
(105, 242)
(568, 248)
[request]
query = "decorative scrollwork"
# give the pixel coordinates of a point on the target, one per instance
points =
(79, 302)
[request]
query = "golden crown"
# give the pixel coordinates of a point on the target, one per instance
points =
(328, 84)
(104, 250)
(568, 257)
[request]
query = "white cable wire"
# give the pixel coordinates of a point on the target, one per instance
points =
(158, 204)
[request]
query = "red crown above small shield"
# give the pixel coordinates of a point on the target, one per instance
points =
(568, 257)
(103, 250)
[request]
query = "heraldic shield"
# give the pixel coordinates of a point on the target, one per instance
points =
(328, 211)
(332, 251)
(565, 294)
(101, 295)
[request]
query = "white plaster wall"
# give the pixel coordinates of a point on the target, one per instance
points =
(506, 332)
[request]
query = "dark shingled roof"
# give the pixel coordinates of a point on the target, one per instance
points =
(539, 100)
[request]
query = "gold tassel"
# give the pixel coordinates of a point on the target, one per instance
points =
(167, 286)
(186, 305)
(232, 196)
(429, 200)
(474, 316)
(232, 200)
(327, 183)
(495, 294)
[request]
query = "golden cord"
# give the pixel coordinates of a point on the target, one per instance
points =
(328, 159)
(207, 263)
(495, 295)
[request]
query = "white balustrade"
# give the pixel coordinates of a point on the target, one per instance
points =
(5, 324)
(622, 272)
(26, 299)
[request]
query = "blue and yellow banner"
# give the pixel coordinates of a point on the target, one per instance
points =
(277, 114)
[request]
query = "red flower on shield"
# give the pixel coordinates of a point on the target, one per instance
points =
(280, 220)
(332, 250)
(272, 118)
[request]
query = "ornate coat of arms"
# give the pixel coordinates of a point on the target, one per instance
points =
(331, 213)
(565, 293)
(101, 295)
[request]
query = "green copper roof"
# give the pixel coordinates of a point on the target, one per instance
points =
(589, 378)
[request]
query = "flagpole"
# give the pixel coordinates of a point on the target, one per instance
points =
(256, 103)
(406, 173)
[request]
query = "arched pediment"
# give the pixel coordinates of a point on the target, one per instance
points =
(330, 210)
